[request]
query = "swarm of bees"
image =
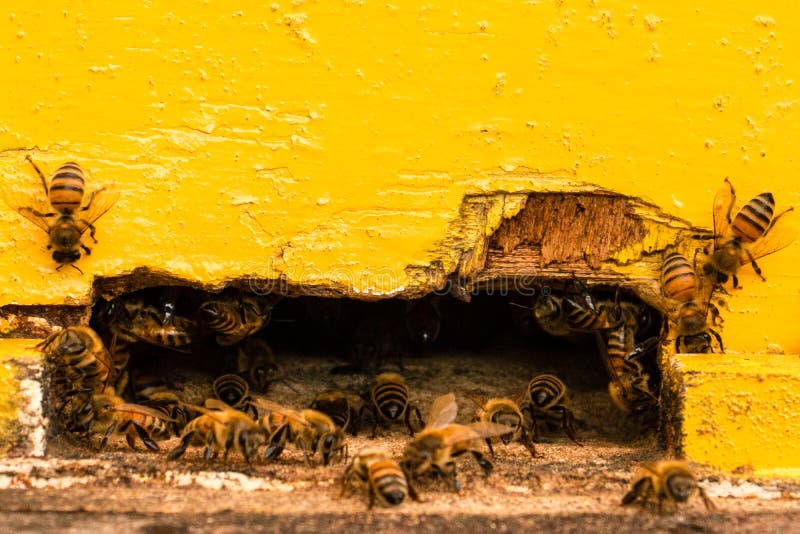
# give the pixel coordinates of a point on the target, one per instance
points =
(96, 393)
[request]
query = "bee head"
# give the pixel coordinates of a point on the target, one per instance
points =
(681, 487)
(69, 256)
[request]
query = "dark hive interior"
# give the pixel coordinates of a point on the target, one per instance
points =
(489, 347)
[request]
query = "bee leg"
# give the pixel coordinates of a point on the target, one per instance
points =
(491, 449)
(408, 418)
(568, 423)
(276, 443)
(736, 282)
(228, 445)
(756, 268)
(301, 443)
(412, 491)
(209, 452)
(371, 502)
(178, 451)
(527, 440)
(719, 339)
(706, 500)
(110, 430)
(454, 477)
(130, 434)
(640, 489)
(485, 464)
(145, 437)
(39, 172)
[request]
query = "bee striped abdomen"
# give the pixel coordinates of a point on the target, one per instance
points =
(220, 317)
(389, 480)
(678, 279)
(391, 399)
(231, 389)
(753, 219)
(546, 390)
(579, 317)
(66, 188)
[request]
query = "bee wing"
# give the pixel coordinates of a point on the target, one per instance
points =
(143, 410)
(443, 411)
(102, 200)
(780, 233)
(612, 372)
(723, 205)
(270, 407)
(485, 429)
(216, 404)
(27, 205)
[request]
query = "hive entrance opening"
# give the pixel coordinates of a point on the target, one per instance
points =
(489, 347)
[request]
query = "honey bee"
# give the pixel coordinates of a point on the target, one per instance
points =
(505, 412)
(81, 357)
(389, 402)
(221, 428)
(423, 322)
(255, 361)
(309, 430)
(83, 367)
(550, 316)
(234, 391)
(67, 219)
(679, 283)
(435, 449)
(544, 398)
(120, 417)
(668, 481)
(629, 386)
(340, 407)
(384, 477)
(753, 233)
(152, 391)
(132, 319)
(234, 318)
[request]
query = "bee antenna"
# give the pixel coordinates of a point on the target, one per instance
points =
(521, 306)
(74, 267)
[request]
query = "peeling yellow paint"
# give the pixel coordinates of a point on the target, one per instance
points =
(15, 354)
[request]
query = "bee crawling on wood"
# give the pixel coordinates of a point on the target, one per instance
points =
(308, 430)
(545, 397)
(341, 407)
(669, 482)
(120, 417)
(384, 477)
(389, 403)
(435, 449)
(505, 412)
(221, 428)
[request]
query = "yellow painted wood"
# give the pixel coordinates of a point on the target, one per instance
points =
(334, 142)
(742, 413)
(17, 358)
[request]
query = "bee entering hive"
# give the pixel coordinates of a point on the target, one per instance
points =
(557, 364)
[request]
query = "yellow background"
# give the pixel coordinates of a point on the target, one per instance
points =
(333, 142)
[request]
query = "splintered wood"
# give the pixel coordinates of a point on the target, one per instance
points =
(574, 228)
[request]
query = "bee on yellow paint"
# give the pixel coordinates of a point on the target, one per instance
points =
(384, 477)
(67, 219)
(679, 283)
(753, 233)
